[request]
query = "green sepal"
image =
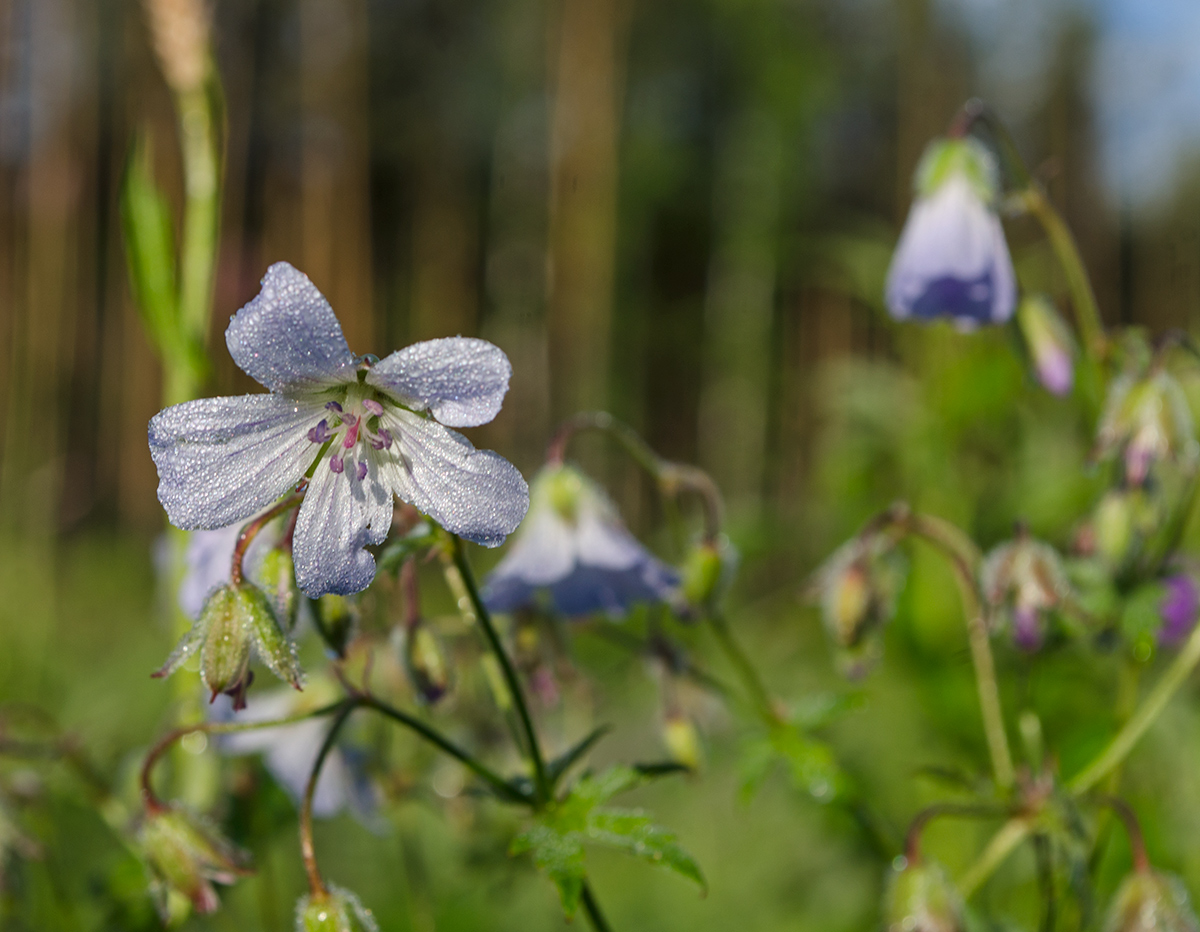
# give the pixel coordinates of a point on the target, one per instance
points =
(338, 910)
(274, 647)
(277, 573)
(184, 856)
(225, 652)
(945, 158)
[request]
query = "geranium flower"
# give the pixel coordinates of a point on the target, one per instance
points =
(361, 431)
(575, 549)
(952, 259)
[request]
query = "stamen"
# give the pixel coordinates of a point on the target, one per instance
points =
(372, 406)
(320, 433)
(385, 436)
(361, 472)
(336, 464)
(333, 406)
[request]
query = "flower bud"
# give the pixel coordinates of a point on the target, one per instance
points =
(1146, 420)
(186, 856)
(1025, 578)
(1178, 609)
(425, 663)
(1049, 342)
(682, 740)
(708, 570)
(236, 622)
(337, 910)
(277, 575)
(920, 899)
(337, 619)
(1150, 901)
(857, 588)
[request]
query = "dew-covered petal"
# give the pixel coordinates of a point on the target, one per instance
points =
(288, 338)
(339, 517)
(222, 459)
(473, 493)
(952, 260)
(461, 381)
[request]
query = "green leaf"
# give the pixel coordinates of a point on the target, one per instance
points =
(810, 764)
(560, 765)
(556, 839)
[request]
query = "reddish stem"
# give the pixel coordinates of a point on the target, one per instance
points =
(251, 530)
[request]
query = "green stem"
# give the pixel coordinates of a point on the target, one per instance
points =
(1141, 720)
(533, 749)
(497, 782)
(1000, 847)
(592, 908)
(751, 681)
(202, 192)
(308, 850)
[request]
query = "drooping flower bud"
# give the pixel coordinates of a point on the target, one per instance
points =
(681, 739)
(337, 910)
(1049, 342)
(857, 589)
(425, 662)
(919, 898)
(185, 855)
(1024, 578)
(952, 260)
(1146, 420)
(1178, 609)
(708, 570)
(1151, 901)
(337, 618)
(237, 622)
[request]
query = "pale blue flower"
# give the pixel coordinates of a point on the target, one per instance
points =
(289, 751)
(574, 551)
(363, 433)
(952, 260)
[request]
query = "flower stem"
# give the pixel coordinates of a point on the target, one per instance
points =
(533, 749)
(497, 782)
(308, 851)
(592, 908)
(1145, 716)
(747, 673)
(251, 530)
(1137, 842)
(1013, 832)
(151, 800)
(200, 148)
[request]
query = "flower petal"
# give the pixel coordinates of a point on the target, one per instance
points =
(222, 459)
(339, 517)
(461, 381)
(473, 493)
(288, 338)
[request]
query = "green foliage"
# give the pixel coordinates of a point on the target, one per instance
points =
(556, 839)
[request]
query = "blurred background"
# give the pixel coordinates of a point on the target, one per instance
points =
(681, 211)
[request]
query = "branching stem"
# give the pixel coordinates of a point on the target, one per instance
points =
(308, 852)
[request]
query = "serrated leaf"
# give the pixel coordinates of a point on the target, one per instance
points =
(810, 764)
(634, 832)
(559, 855)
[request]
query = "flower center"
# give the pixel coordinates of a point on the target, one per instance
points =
(349, 429)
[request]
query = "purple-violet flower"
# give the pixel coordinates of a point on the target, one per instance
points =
(1178, 609)
(575, 548)
(1049, 342)
(952, 259)
(361, 432)
(1024, 578)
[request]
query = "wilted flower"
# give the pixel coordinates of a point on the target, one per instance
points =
(1150, 901)
(574, 547)
(1024, 577)
(952, 259)
(337, 910)
(1049, 342)
(289, 751)
(237, 621)
(1178, 609)
(186, 855)
(362, 432)
(1146, 419)
(857, 588)
(920, 899)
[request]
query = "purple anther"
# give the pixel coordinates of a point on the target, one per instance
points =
(386, 436)
(373, 406)
(320, 433)
(351, 437)
(361, 472)
(333, 406)
(336, 464)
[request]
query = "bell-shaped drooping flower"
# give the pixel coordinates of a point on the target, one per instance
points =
(185, 855)
(920, 898)
(857, 588)
(1178, 609)
(289, 751)
(361, 432)
(1049, 342)
(952, 260)
(335, 910)
(1023, 580)
(1146, 420)
(574, 548)
(238, 621)
(1151, 901)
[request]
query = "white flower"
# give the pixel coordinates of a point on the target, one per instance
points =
(362, 433)
(952, 259)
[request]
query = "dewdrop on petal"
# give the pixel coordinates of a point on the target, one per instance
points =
(336, 910)
(920, 898)
(1150, 901)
